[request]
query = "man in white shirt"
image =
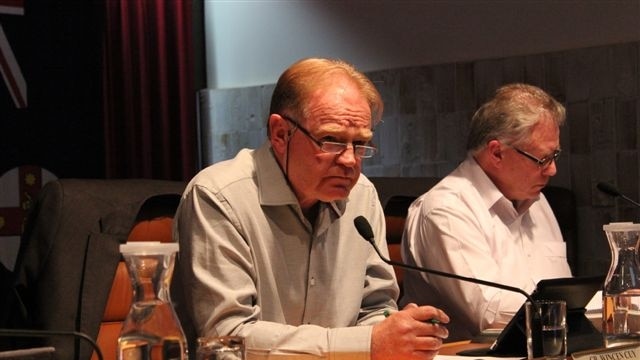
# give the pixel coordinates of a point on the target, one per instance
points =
(269, 250)
(488, 219)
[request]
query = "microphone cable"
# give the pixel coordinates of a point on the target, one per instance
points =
(48, 333)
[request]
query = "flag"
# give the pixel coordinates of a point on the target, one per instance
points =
(9, 67)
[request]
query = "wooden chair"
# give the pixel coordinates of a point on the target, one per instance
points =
(153, 223)
(69, 256)
(396, 195)
(395, 214)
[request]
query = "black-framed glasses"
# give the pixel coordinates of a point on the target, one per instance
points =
(334, 147)
(542, 163)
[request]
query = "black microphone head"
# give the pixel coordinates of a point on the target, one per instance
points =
(608, 189)
(363, 227)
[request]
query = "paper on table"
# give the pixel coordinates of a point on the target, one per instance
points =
(594, 307)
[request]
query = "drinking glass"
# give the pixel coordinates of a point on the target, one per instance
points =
(549, 317)
(220, 348)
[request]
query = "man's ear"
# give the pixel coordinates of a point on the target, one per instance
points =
(495, 152)
(279, 133)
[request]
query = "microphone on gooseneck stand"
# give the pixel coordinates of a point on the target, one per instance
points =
(364, 229)
(613, 191)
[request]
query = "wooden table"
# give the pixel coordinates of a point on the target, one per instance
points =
(454, 347)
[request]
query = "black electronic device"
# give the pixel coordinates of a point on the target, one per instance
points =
(581, 333)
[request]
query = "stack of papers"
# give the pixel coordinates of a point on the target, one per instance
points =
(594, 307)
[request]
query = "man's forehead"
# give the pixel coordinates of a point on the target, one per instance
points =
(361, 127)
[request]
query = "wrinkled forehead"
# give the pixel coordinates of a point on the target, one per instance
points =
(337, 93)
(347, 128)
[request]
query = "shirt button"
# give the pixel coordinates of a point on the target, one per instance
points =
(312, 282)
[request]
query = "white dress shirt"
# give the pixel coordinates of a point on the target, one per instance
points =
(465, 226)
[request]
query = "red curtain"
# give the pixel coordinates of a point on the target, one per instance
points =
(149, 95)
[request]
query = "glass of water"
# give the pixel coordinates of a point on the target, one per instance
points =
(220, 348)
(546, 322)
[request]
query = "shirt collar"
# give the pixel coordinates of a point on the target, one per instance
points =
(488, 190)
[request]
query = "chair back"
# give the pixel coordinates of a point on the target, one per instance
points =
(153, 222)
(396, 195)
(69, 255)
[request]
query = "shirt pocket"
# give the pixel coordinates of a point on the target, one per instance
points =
(553, 249)
(553, 259)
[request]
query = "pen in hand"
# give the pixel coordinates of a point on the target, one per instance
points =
(433, 321)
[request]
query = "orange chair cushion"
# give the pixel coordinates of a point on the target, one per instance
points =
(108, 340)
(395, 226)
(394, 254)
(120, 296)
(158, 229)
(121, 293)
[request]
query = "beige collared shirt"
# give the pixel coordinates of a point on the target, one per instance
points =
(254, 266)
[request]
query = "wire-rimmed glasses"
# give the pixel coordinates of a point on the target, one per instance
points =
(334, 147)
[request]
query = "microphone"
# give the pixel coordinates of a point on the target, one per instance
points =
(613, 191)
(364, 229)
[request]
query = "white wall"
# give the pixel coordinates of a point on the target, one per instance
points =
(250, 42)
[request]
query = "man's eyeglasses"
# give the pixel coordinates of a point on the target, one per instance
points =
(542, 163)
(334, 147)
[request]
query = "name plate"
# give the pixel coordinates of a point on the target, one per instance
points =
(625, 352)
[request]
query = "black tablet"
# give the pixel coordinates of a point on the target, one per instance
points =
(581, 334)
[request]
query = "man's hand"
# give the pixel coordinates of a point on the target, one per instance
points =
(408, 334)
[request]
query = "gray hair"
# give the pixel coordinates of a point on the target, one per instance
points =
(510, 115)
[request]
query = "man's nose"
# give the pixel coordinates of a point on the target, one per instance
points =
(550, 170)
(348, 156)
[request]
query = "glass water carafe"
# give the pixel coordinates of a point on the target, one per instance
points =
(151, 330)
(621, 293)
